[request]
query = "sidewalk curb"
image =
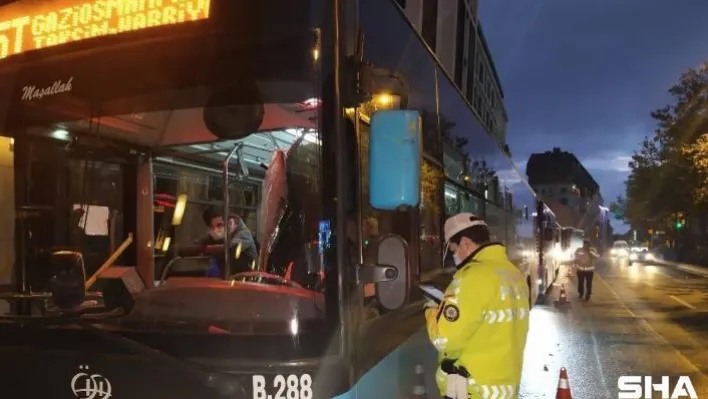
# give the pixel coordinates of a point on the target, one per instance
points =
(693, 269)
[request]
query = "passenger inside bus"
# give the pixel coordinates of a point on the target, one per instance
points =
(245, 249)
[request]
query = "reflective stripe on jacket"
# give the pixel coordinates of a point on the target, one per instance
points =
(585, 260)
(482, 324)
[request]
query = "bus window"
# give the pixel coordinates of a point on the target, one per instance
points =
(431, 217)
(452, 201)
(495, 218)
(470, 203)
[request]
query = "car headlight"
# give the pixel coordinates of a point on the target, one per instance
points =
(613, 251)
(633, 256)
(649, 257)
(623, 252)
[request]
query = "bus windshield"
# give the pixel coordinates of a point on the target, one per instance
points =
(136, 127)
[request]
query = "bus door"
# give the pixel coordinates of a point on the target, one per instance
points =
(72, 195)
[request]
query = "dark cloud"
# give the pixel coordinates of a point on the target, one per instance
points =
(584, 75)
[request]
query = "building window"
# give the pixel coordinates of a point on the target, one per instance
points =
(460, 43)
(430, 22)
(472, 59)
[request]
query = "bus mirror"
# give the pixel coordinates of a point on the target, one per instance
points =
(234, 113)
(67, 283)
(392, 259)
(395, 153)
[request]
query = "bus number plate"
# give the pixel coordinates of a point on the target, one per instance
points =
(291, 386)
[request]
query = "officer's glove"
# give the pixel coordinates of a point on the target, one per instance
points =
(448, 366)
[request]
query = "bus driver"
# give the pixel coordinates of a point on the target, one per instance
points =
(244, 258)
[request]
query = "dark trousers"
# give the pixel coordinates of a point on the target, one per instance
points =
(585, 283)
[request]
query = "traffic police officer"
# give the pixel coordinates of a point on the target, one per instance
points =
(480, 327)
(585, 263)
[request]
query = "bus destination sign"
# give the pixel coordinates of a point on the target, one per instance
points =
(35, 24)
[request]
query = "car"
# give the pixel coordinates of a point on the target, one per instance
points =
(641, 256)
(620, 249)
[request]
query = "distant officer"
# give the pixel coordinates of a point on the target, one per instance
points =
(480, 327)
(585, 263)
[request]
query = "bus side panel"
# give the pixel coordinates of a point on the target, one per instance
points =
(395, 375)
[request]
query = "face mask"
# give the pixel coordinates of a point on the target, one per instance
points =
(217, 233)
(463, 251)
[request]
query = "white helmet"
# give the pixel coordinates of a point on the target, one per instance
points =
(457, 223)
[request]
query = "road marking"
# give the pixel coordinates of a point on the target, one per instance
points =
(649, 329)
(682, 302)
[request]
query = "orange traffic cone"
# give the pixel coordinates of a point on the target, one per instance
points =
(563, 391)
(563, 297)
(419, 391)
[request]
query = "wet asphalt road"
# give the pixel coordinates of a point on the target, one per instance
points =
(641, 320)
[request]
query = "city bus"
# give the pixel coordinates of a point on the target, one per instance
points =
(548, 234)
(136, 128)
(571, 240)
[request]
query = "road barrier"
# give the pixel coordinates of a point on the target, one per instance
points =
(563, 391)
(562, 297)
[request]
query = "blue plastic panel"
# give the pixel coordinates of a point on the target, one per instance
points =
(395, 151)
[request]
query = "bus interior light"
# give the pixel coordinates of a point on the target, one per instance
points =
(180, 207)
(166, 244)
(60, 134)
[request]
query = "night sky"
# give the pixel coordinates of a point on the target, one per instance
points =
(584, 75)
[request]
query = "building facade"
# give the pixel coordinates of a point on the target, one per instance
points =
(561, 180)
(451, 29)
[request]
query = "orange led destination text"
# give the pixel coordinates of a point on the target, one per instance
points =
(52, 23)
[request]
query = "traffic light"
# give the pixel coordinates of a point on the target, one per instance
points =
(680, 221)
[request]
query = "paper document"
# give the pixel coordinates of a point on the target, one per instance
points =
(431, 292)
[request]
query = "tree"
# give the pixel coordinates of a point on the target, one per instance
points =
(697, 152)
(666, 174)
(618, 208)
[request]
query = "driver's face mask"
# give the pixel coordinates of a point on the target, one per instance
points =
(217, 231)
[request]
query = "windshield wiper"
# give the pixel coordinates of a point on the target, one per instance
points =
(224, 384)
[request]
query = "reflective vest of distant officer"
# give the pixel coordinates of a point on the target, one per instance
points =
(480, 327)
(585, 262)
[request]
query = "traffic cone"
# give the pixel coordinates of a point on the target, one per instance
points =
(419, 391)
(563, 297)
(563, 391)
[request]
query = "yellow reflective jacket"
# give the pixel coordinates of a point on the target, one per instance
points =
(482, 324)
